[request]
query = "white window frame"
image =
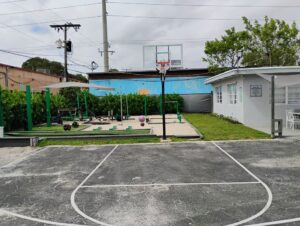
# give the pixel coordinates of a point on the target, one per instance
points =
(286, 97)
(232, 93)
(219, 94)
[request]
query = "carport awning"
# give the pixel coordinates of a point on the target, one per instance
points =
(283, 80)
(62, 85)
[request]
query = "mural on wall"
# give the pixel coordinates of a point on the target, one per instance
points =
(152, 86)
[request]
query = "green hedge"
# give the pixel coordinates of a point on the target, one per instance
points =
(14, 105)
(14, 108)
(136, 104)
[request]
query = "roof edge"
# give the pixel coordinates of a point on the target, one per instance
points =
(249, 71)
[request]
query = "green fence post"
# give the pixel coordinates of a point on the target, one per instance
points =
(86, 103)
(78, 106)
(1, 110)
(29, 109)
(145, 105)
(48, 107)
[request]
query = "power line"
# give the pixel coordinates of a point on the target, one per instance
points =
(51, 21)
(26, 55)
(203, 5)
(180, 18)
(49, 9)
(16, 54)
(132, 16)
(7, 2)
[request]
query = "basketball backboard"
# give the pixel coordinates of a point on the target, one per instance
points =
(163, 53)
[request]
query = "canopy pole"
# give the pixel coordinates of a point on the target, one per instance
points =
(86, 104)
(48, 107)
(78, 105)
(273, 107)
(127, 107)
(121, 106)
(29, 109)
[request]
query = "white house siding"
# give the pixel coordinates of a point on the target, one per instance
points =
(257, 110)
(235, 111)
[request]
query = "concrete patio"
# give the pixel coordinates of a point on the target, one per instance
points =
(174, 128)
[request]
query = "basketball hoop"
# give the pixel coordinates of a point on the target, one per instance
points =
(163, 67)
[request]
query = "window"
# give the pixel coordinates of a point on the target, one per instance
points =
(287, 95)
(280, 95)
(232, 93)
(255, 90)
(219, 95)
(294, 95)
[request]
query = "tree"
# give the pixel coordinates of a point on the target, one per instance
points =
(227, 52)
(273, 43)
(41, 63)
(53, 66)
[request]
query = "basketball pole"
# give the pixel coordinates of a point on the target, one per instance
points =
(163, 105)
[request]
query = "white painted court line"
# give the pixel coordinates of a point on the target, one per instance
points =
(23, 158)
(276, 222)
(6, 212)
(270, 195)
(73, 203)
(37, 219)
(176, 184)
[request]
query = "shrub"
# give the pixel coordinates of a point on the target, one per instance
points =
(75, 124)
(67, 127)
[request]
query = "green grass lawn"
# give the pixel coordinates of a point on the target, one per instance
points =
(56, 128)
(214, 128)
(103, 141)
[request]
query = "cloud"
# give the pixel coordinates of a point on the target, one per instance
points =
(127, 35)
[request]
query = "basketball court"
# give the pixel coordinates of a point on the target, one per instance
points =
(201, 183)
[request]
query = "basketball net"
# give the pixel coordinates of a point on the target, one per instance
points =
(163, 67)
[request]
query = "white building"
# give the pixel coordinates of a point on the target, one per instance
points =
(245, 94)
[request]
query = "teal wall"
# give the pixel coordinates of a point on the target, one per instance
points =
(179, 85)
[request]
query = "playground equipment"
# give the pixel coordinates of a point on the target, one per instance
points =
(48, 100)
(179, 117)
(85, 94)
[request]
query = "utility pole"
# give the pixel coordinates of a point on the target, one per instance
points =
(64, 28)
(105, 37)
(105, 52)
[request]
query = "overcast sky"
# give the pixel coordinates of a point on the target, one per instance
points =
(28, 34)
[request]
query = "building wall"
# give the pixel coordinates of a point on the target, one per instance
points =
(18, 78)
(197, 103)
(257, 109)
(234, 111)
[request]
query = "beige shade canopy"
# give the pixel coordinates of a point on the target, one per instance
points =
(62, 85)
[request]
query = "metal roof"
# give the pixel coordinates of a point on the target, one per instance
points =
(290, 70)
